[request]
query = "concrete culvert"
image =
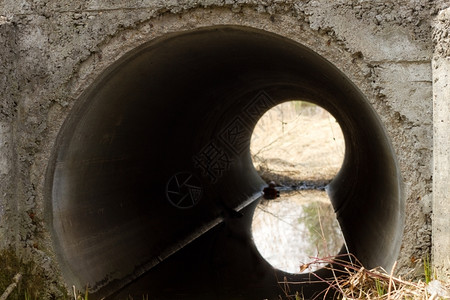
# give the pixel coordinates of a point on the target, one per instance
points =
(152, 187)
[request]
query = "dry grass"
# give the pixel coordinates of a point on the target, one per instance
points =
(352, 281)
(296, 143)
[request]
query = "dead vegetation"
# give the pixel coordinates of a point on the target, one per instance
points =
(351, 280)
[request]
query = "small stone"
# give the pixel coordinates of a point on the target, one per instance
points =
(435, 287)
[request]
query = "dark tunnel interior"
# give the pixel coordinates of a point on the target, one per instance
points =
(151, 189)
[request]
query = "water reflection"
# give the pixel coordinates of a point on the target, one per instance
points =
(295, 228)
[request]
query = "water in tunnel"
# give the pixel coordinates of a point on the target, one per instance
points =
(152, 188)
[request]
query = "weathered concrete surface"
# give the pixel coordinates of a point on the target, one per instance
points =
(441, 149)
(55, 49)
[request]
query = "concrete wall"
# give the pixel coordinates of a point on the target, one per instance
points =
(55, 49)
(441, 145)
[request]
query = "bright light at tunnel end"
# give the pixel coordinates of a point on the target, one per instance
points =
(293, 143)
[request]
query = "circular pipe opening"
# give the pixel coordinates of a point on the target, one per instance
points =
(184, 106)
(299, 147)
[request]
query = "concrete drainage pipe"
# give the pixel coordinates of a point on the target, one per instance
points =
(152, 187)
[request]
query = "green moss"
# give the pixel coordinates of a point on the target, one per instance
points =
(32, 283)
